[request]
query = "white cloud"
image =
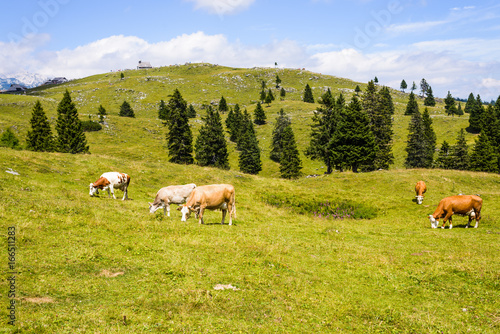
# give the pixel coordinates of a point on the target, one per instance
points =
(222, 7)
(417, 27)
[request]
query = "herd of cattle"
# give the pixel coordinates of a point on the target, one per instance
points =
(191, 198)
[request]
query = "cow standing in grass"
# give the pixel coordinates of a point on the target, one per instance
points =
(171, 195)
(420, 189)
(212, 197)
(109, 181)
(465, 205)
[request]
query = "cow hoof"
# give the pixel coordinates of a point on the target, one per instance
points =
(442, 227)
(451, 227)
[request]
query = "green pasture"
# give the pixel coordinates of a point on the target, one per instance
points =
(97, 265)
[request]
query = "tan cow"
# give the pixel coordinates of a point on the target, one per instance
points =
(212, 197)
(420, 189)
(171, 195)
(465, 205)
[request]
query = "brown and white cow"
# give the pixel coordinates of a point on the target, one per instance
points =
(212, 197)
(110, 181)
(420, 189)
(171, 195)
(465, 205)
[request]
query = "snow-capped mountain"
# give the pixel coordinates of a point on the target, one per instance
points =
(26, 79)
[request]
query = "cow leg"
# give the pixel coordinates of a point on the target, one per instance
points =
(448, 216)
(478, 217)
(230, 209)
(125, 194)
(167, 208)
(451, 224)
(223, 216)
(200, 215)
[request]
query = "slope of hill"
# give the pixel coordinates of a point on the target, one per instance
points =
(93, 264)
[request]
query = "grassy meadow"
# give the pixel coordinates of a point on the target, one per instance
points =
(97, 265)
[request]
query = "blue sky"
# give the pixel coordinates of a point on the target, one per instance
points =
(454, 45)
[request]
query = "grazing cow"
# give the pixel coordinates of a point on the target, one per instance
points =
(171, 195)
(420, 189)
(212, 197)
(465, 205)
(110, 181)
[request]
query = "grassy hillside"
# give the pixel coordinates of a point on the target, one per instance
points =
(108, 266)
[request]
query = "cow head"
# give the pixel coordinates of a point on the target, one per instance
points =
(186, 212)
(93, 190)
(155, 206)
(420, 198)
(434, 222)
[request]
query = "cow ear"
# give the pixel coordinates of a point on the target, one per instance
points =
(179, 208)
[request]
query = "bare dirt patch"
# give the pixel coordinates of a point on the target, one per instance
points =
(39, 300)
(107, 273)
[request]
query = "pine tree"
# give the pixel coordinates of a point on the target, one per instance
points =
(40, 137)
(413, 86)
(163, 111)
(278, 81)
(353, 144)
(270, 94)
(234, 122)
(290, 163)
(308, 94)
(424, 86)
(460, 153)
(259, 114)
(375, 80)
(268, 100)
(179, 136)
(429, 100)
(403, 85)
(249, 158)
(9, 139)
(417, 148)
(483, 157)
(191, 111)
(476, 113)
(490, 125)
(263, 95)
(126, 110)
(282, 93)
(430, 138)
(445, 158)
(449, 105)
(245, 123)
(381, 127)
(469, 105)
(223, 105)
(282, 121)
(101, 112)
(325, 121)
(412, 105)
(460, 111)
(211, 146)
(70, 136)
(357, 90)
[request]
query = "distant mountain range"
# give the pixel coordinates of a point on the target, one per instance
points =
(26, 79)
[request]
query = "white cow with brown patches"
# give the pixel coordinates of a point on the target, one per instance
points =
(212, 197)
(110, 181)
(171, 195)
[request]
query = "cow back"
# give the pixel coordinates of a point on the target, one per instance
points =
(211, 196)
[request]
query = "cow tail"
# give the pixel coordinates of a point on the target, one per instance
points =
(234, 205)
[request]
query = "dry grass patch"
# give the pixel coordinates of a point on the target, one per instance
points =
(39, 300)
(110, 274)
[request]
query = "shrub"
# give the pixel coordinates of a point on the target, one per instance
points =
(88, 126)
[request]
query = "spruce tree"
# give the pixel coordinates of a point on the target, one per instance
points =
(259, 114)
(282, 93)
(483, 157)
(290, 163)
(263, 95)
(282, 121)
(460, 111)
(9, 139)
(476, 114)
(40, 137)
(163, 111)
(417, 147)
(101, 112)
(381, 127)
(357, 90)
(430, 138)
(429, 100)
(126, 110)
(191, 111)
(268, 100)
(403, 85)
(412, 105)
(449, 105)
(353, 144)
(308, 94)
(249, 158)
(445, 158)
(324, 125)
(424, 86)
(270, 94)
(278, 81)
(223, 105)
(413, 86)
(211, 147)
(179, 136)
(469, 105)
(460, 153)
(245, 123)
(234, 123)
(70, 136)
